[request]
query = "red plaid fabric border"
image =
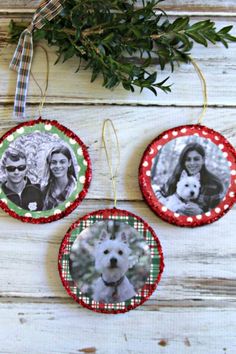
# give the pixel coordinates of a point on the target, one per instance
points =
(22, 58)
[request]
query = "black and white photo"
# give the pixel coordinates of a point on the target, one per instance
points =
(16, 185)
(59, 179)
(38, 171)
(190, 175)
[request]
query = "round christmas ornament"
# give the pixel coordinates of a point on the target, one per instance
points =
(188, 174)
(45, 171)
(45, 167)
(110, 260)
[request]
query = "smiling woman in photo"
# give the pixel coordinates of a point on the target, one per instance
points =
(60, 178)
(192, 161)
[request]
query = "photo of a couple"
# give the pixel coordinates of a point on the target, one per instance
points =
(38, 172)
(197, 182)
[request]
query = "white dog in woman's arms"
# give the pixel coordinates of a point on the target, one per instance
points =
(187, 191)
(112, 262)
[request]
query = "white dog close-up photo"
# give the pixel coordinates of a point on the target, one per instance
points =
(110, 261)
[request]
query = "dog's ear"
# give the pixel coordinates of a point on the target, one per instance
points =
(198, 176)
(123, 237)
(103, 236)
(183, 174)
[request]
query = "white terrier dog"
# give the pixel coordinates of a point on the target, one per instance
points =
(112, 261)
(187, 190)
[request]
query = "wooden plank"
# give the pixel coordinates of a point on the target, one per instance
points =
(199, 263)
(136, 128)
(34, 250)
(193, 309)
(65, 328)
(217, 64)
(177, 6)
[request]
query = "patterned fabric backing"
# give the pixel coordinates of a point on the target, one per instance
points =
(150, 238)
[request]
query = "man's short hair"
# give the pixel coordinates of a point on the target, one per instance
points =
(14, 155)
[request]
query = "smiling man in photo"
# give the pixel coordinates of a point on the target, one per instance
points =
(18, 187)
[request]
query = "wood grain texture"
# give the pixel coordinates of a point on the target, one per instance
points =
(66, 329)
(199, 263)
(86, 122)
(217, 64)
(173, 6)
(193, 308)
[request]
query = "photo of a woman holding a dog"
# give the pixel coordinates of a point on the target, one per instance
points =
(199, 180)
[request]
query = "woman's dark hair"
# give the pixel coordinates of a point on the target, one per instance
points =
(66, 152)
(206, 176)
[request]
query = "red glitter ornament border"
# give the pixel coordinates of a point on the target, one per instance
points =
(105, 213)
(88, 174)
(145, 180)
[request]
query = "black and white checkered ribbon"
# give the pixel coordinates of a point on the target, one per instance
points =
(22, 58)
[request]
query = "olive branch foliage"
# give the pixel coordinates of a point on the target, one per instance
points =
(120, 41)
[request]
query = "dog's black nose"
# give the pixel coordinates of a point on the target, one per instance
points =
(192, 193)
(113, 261)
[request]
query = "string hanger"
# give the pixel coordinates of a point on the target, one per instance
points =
(104, 140)
(42, 93)
(204, 89)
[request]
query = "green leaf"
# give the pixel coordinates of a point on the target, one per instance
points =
(78, 33)
(201, 25)
(198, 38)
(230, 38)
(94, 75)
(152, 89)
(40, 34)
(123, 40)
(179, 24)
(225, 30)
(151, 78)
(108, 38)
(69, 53)
(126, 86)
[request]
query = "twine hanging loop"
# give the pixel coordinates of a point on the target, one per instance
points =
(115, 173)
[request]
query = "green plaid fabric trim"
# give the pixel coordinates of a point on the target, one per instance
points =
(22, 58)
(143, 293)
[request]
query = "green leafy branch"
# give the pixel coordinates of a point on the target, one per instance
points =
(109, 34)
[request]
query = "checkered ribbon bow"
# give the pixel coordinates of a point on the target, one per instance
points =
(22, 58)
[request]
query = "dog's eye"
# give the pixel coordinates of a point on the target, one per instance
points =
(106, 252)
(186, 185)
(195, 186)
(120, 252)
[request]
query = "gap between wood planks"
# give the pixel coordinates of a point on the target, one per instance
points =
(149, 305)
(90, 102)
(189, 10)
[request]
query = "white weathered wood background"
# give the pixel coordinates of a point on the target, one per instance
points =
(194, 307)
